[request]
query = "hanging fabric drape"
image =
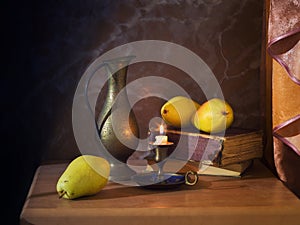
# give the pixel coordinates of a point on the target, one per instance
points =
(284, 48)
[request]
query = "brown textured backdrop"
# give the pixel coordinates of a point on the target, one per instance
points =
(225, 34)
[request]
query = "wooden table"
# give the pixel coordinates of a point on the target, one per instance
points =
(256, 198)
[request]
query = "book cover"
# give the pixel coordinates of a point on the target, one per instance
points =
(237, 145)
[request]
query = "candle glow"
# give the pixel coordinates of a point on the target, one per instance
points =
(161, 139)
(161, 129)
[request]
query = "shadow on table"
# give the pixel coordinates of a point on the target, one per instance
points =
(118, 191)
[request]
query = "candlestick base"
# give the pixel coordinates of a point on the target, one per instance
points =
(159, 179)
(166, 180)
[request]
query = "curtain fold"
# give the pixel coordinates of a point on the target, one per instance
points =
(284, 48)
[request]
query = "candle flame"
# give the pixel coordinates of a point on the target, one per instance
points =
(161, 129)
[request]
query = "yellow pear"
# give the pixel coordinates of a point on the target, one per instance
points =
(178, 111)
(213, 116)
(85, 175)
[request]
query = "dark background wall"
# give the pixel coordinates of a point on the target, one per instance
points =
(48, 45)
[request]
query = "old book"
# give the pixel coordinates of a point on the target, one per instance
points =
(236, 146)
(232, 170)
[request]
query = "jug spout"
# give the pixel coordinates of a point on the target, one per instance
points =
(116, 65)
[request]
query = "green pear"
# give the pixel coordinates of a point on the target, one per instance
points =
(85, 175)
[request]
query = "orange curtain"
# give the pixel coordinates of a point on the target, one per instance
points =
(284, 48)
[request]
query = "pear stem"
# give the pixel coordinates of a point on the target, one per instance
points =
(62, 194)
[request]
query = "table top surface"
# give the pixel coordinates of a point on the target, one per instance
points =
(256, 198)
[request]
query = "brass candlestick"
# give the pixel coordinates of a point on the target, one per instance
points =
(160, 151)
(160, 179)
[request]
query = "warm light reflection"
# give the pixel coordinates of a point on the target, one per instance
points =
(161, 129)
(127, 132)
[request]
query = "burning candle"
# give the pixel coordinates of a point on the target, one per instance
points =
(161, 139)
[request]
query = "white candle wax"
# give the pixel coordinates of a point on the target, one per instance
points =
(161, 139)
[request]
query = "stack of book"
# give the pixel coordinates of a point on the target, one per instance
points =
(229, 155)
(231, 170)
